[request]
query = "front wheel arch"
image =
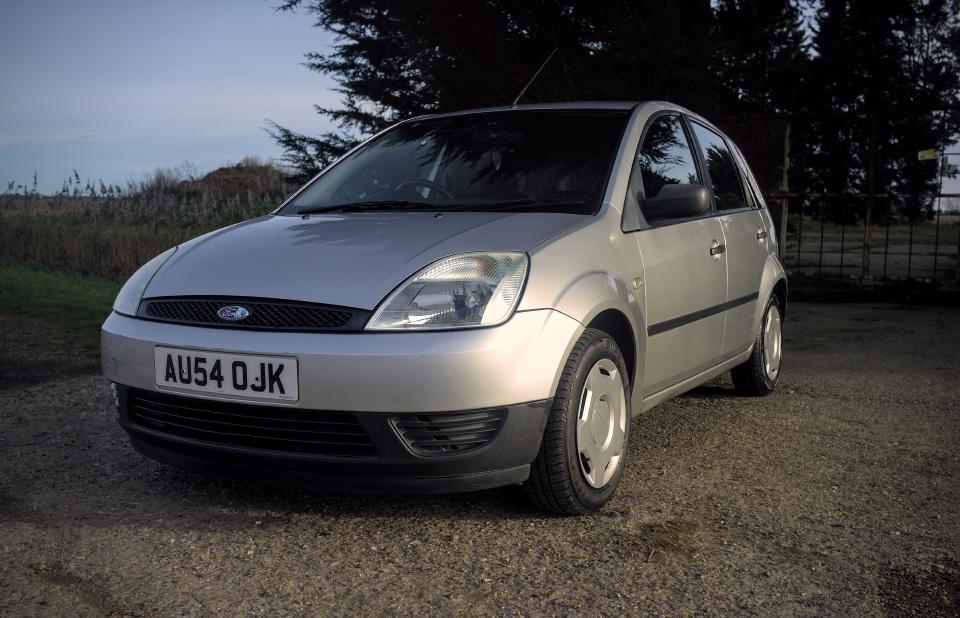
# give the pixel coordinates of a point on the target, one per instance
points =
(557, 480)
(616, 324)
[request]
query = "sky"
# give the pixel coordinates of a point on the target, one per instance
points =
(117, 88)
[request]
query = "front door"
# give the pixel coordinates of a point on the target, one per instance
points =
(686, 288)
(684, 267)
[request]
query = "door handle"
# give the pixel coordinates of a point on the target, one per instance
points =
(761, 234)
(717, 249)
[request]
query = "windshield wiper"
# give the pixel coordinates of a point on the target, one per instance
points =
(517, 204)
(358, 206)
(514, 204)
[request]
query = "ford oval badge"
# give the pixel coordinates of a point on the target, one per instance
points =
(233, 313)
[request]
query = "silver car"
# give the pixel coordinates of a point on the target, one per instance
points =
(461, 302)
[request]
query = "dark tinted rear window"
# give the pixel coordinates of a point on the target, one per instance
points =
(727, 189)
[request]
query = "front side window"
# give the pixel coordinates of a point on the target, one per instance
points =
(727, 189)
(665, 156)
(527, 160)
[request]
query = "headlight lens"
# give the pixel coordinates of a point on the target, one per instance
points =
(461, 291)
(129, 297)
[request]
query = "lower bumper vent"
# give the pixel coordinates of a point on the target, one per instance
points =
(263, 427)
(448, 433)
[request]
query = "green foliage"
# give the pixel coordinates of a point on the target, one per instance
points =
(396, 60)
(853, 72)
(887, 67)
(306, 154)
(765, 55)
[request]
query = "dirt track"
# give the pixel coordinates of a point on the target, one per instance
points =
(839, 494)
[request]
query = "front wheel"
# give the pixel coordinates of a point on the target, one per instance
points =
(582, 453)
(759, 374)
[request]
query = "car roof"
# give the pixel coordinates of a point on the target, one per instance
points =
(577, 105)
(573, 105)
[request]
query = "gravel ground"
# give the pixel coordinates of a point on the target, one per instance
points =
(838, 494)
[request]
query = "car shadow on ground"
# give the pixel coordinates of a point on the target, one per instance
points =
(158, 494)
(191, 490)
(711, 392)
(186, 489)
(190, 496)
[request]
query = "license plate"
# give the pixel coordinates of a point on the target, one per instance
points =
(245, 375)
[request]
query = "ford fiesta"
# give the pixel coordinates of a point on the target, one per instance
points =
(461, 302)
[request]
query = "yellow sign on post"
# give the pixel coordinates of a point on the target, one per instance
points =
(928, 155)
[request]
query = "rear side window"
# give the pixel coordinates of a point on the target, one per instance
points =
(751, 180)
(727, 188)
(665, 156)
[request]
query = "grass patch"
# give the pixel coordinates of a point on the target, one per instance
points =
(76, 305)
(926, 229)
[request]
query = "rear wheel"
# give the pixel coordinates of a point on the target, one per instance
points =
(582, 453)
(759, 374)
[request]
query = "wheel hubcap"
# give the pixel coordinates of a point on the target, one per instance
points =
(601, 423)
(771, 343)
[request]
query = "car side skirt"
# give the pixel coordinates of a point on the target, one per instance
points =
(679, 388)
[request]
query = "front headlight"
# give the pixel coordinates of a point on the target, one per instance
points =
(129, 297)
(460, 291)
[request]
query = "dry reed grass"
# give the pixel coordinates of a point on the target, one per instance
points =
(109, 231)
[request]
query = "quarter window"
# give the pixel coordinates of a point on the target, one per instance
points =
(727, 189)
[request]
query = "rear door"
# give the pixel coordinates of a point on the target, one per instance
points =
(685, 282)
(744, 238)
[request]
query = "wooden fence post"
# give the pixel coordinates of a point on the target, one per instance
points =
(868, 214)
(785, 188)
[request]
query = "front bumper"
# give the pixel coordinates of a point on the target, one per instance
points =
(518, 361)
(391, 466)
(375, 378)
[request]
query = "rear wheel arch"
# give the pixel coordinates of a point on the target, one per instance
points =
(780, 291)
(759, 373)
(773, 283)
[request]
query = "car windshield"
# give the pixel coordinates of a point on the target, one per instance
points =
(556, 160)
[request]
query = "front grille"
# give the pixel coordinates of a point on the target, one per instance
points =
(262, 427)
(448, 433)
(263, 314)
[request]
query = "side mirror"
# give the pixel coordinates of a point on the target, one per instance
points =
(676, 201)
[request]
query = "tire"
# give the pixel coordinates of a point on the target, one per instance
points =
(565, 477)
(757, 377)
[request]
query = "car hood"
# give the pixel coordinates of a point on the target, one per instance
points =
(352, 260)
